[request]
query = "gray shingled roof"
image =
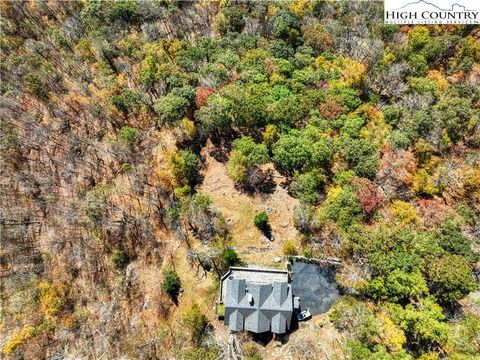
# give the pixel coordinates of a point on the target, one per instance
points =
(268, 308)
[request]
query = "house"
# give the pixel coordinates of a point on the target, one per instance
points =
(257, 300)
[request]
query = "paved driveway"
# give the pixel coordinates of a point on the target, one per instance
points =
(315, 285)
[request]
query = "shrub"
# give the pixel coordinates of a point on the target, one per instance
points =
(128, 135)
(195, 322)
(52, 298)
(261, 221)
(171, 282)
(36, 87)
(307, 252)
(9, 138)
(230, 257)
(18, 338)
(289, 247)
(120, 259)
(95, 202)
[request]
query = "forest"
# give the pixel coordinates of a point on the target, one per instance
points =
(146, 146)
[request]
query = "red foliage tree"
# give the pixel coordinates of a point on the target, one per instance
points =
(432, 212)
(331, 109)
(201, 95)
(396, 171)
(368, 196)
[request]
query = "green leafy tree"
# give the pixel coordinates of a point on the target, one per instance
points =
(392, 114)
(127, 102)
(355, 318)
(362, 156)
(184, 167)
(125, 10)
(245, 153)
(452, 239)
(253, 152)
(398, 286)
(286, 26)
(322, 153)
(251, 105)
(307, 186)
(230, 20)
(342, 206)
(150, 73)
(261, 222)
(456, 115)
(418, 37)
(171, 108)
(291, 152)
(215, 116)
(187, 92)
(424, 324)
(450, 278)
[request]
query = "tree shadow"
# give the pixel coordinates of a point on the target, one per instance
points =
(174, 298)
(257, 181)
(267, 232)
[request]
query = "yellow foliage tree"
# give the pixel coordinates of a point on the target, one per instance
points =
(438, 78)
(423, 183)
(299, 7)
(391, 336)
(404, 213)
(353, 73)
(376, 130)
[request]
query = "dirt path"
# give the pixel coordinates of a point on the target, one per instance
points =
(239, 210)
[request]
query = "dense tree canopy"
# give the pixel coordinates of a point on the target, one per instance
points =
(118, 117)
